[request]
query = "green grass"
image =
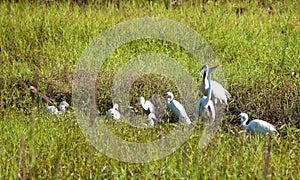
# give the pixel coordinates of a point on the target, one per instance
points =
(259, 51)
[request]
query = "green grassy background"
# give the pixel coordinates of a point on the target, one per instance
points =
(257, 43)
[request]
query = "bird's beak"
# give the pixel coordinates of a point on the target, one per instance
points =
(214, 67)
(238, 117)
(165, 94)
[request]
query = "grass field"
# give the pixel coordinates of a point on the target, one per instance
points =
(257, 43)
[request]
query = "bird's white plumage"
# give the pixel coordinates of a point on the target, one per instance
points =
(219, 93)
(152, 119)
(205, 106)
(113, 113)
(147, 105)
(177, 108)
(256, 125)
(206, 109)
(63, 106)
(51, 110)
(54, 111)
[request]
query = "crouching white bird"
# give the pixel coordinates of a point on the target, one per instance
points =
(219, 93)
(63, 106)
(205, 106)
(177, 108)
(52, 110)
(149, 110)
(113, 113)
(256, 125)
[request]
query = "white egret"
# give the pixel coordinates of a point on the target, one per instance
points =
(38, 96)
(113, 113)
(177, 108)
(256, 125)
(62, 108)
(147, 105)
(219, 93)
(149, 110)
(205, 106)
(52, 110)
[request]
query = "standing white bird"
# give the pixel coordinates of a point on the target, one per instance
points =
(113, 113)
(177, 108)
(149, 110)
(219, 93)
(205, 106)
(256, 125)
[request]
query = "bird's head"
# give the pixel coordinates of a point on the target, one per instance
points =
(168, 94)
(242, 116)
(205, 69)
(63, 105)
(202, 71)
(116, 107)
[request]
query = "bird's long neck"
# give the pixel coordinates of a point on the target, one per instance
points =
(142, 101)
(208, 85)
(245, 119)
(171, 98)
(205, 80)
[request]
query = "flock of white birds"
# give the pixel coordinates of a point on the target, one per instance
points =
(213, 92)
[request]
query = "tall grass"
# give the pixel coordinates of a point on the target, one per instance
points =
(256, 42)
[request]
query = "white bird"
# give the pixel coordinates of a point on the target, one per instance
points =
(113, 113)
(177, 108)
(147, 105)
(219, 93)
(62, 108)
(256, 125)
(205, 106)
(149, 110)
(52, 110)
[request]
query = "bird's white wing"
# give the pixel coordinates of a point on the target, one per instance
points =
(148, 106)
(219, 92)
(151, 107)
(152, 120)
(261, 126)
(116, 114)
(177, 108)
(51, 110)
